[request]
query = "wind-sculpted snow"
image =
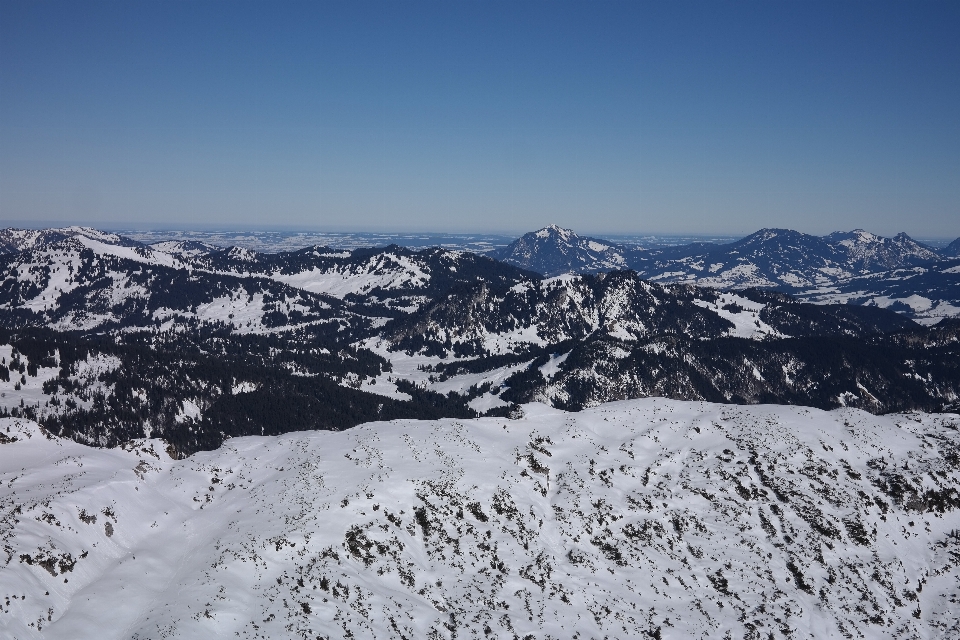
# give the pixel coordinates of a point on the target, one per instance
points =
(648, 518)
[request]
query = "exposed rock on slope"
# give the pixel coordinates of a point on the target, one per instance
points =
(578, 341)
(639, 519)
(553, 251)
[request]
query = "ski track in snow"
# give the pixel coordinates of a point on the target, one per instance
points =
(645, 518)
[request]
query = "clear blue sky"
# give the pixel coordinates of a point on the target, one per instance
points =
(607, 117)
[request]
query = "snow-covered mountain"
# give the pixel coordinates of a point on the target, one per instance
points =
(210, 344)
(80, 283)
(869, 252)
(90, 280)
(486, 319)
(16, 240)
(554, 251)
(769, 257)
(395, 276)
(785, 259)
(216, 442)
(579, 341)
(864, 268)
(640, 519)
(927, 293)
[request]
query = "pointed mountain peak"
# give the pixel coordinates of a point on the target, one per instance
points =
(554, 250)
(554, 231)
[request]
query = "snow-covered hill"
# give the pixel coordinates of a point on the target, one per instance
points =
(867, 252)
(79, 283)
(185, 248)
(927, 293)
(486, 319)
(16, 240)
(397, 277)
(640, 519)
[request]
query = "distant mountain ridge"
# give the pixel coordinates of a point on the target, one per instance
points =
(554, 251)
(855, 266)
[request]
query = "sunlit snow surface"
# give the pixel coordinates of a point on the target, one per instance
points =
(693, 519)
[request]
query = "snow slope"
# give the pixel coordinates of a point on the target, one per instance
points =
(647, 518)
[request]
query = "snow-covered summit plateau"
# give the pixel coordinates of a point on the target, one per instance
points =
(638, 519)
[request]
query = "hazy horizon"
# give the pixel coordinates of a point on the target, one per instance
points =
(609, 118)
(153, 233)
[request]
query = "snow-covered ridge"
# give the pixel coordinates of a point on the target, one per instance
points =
(646, 518)
(382, 271)
(16, 240)
(780, 259)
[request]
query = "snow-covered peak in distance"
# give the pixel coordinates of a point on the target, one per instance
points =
(781, 259)
(14, 241)
(769, 257)
(553, 251)
(555, 230)
(96, 234)
(869, 252)
(241, 254)
(638, 519)
(838, 254)
(54, 246)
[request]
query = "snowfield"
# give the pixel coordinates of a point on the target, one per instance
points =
(647, 518)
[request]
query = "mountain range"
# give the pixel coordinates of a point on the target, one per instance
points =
(107, 339)
(850, 267)
(199, 441)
